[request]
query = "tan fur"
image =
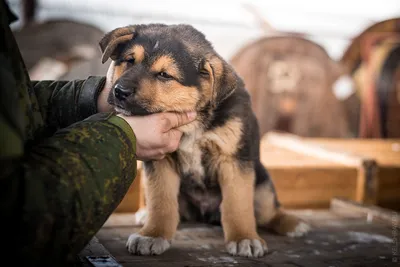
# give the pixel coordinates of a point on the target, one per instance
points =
(118, 71)
(237, 209)
(284, 223)
(136, 52)
(166, 64)
(167, 96)
(162, 189)
(217, 71)
(236, 182)
(267, 216)
(226, 137)
(208, 85)
(264, 204)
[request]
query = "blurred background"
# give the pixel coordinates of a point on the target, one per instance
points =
(324, 77)
(313, 68)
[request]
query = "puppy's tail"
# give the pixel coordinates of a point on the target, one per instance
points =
(287, 224)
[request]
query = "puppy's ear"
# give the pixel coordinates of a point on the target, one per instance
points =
(224, 79)
(110, 42)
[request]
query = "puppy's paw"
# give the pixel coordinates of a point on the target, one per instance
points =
(247, 248)
(146, 245)
(299, 230)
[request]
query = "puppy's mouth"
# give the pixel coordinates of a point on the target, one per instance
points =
(133, 109)
(126, 107)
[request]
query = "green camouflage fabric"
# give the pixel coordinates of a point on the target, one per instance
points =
(64, 168)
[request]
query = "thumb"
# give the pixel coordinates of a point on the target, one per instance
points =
(175, 120)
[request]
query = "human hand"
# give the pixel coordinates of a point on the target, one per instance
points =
(156, 134)
(102, 104)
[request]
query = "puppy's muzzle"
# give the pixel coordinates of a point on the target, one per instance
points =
(121, 92)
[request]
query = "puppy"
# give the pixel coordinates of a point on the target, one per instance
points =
(215, 175)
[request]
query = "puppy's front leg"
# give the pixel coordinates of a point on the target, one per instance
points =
(162, 187)
(237, 209)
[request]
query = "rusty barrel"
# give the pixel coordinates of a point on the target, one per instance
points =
(290, 81)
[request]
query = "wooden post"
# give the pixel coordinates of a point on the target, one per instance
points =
(367, 180)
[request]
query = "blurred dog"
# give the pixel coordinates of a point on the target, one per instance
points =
(215, 175)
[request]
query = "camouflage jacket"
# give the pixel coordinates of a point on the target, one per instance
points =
(64, 168)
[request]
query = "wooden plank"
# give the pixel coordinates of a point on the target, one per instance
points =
(313, 188)
(371, 212)
(277, 157)
(336, 240)
(386, 152)
(305, 181)
(367, 180)
(389, 188)
(297, 144)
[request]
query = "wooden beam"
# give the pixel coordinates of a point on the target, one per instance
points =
(297, 144)
(371, 212)
(367, 180)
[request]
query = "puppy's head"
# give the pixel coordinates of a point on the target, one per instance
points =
(162, 68)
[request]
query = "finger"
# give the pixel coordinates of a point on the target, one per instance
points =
(174, 120)
(159, 155)
(155, 154)
(174, 138)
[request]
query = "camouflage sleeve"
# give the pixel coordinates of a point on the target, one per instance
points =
(62, 191)
(62, 103)
(56, 190)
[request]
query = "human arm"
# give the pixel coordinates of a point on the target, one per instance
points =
(57, 195)
(62, 103)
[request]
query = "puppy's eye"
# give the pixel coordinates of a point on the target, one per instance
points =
(164, 75)
(130, 61)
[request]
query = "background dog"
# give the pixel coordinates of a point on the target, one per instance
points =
(215, 175)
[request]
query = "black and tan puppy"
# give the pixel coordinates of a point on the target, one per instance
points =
(216, 174)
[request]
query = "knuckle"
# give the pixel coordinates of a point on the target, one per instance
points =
(165, 123)
(181, 118)
(162, 152)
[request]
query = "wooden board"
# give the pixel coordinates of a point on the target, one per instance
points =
(340, 237)
(308, 172)
(386, 152)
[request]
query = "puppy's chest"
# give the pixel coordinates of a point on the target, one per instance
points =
(190, 157)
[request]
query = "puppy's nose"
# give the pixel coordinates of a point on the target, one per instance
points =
(121, 92)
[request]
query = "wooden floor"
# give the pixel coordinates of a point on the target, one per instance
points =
(338, 239)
